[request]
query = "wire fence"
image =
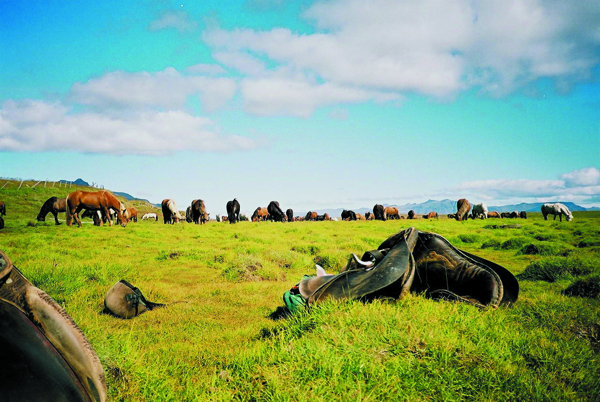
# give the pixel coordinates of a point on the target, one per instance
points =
(30, 183)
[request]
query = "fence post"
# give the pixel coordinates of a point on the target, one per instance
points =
(20, 185)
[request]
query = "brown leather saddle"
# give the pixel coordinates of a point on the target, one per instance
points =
(124, 300)
(412, 261)
(44, 355)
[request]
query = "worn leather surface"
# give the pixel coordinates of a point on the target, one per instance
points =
(47, 320)
(119, 304)
(419, 262)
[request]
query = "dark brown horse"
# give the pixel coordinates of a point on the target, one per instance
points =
(463, 206)
(2, 208)
(198, 212)
(53, 205)
(99, 200)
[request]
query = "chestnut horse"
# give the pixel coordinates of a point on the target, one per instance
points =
(131, 214)
(100, 200)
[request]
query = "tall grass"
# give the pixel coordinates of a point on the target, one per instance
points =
(215, 340)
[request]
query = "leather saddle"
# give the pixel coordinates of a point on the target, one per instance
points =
(412, 261)
(126, 301)
(44, 355)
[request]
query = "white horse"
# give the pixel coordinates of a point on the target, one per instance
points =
(556, 209)
(480, 210)
(150, 216)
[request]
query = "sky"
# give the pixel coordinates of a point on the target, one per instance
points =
(315, 104)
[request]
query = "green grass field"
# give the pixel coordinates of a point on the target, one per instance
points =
(216, 341)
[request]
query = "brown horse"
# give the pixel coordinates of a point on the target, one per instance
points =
(100, 200)
(391, 213)
(131, 214)
(53, 205)
(2, 209)
(260, 214)
(463, 206)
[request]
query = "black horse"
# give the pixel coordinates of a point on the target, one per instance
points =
(348, 215)
(276, 212)
(378, 212)
(53, 205)
(233, 211)
(290, 215)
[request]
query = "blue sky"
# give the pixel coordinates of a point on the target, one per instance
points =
(320, 104)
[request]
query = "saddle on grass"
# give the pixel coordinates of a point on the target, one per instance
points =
(411, 261)
(126, 301)
(44, 355)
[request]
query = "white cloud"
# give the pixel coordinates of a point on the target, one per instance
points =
(577, 186)
(178, 20)
(210, 69)
(300, 97)
(243, 62)
(584, 177)
(166, 89)
(430, 47)
(145, 133)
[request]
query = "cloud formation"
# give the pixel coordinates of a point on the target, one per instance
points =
(429, 47)
(578, 186)
(178, 20)
(167, 89)
(36, 126)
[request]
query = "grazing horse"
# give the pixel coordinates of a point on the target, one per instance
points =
(462, 209)
(150, 216)
(369, 216)
(224, 218)
(412, 214)
(494, 214)
(198, 212)
(131, 214)
(523, 215)
(2, 208)
(391, 213)
(276, 212)
(1, 222)
(348, 215)
(260, 214)
(188, 214)
(290, 214)
(431, 215)
(53, 205)
(311, 216)
(556, 209)
(170, 213)
(233, 211)
(378, 212)
(94, 214)
(480, 211)
(98, 200)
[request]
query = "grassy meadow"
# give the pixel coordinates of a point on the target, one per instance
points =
(216, 342)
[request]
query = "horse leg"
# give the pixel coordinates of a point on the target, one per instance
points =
(76, 215)
(56, 222)
(107, 212)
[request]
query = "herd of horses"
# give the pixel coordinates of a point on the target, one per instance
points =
(103, 207)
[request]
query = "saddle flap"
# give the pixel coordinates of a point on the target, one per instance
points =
(389, 278)
(59, 329)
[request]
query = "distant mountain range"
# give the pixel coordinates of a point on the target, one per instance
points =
(449, 207)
